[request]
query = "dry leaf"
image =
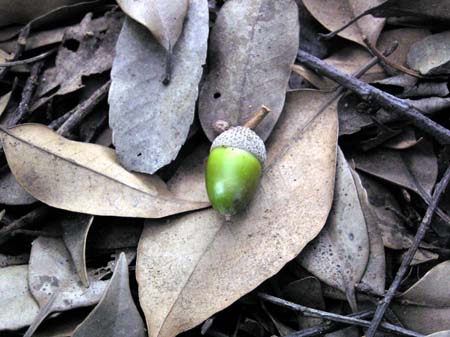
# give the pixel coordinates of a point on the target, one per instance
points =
(430, 9)
(4, 100)
(163, 18)
(339, 255)
(414, 169)
(429, 298)
(431, 55)
(116, 314)
(188, 265)
(75, 227)
(85, 178)
(335, 13)
(90, 51)
(440, 334)
(18, 305)
(251, 48)
(150, 120)
(51, 271)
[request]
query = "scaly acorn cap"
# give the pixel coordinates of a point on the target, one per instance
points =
(242, 138)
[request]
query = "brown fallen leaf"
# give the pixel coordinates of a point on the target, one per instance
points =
(116, 314)
(85, 178)
(335, 13)
(188, 265)
(340, 253)
(251, 48)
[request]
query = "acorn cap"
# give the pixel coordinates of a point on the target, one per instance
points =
(242, 138)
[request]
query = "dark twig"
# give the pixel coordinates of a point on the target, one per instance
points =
(24, 105)
(20, 47)
(328, 327)
(352, 21)
(421, 231)
(370, 93)
(29, 60)
(335, 317)
(76, 115)
(29, 218)
(13, 260)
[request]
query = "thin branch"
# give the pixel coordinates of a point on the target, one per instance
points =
(77, 114)
(29, 60)
(29, 218)
(24, 106)
(372, 94)
(335, 317)
(352, 21)
(421, 231)
(257, 117)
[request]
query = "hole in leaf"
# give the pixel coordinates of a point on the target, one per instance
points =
(139, 154)
(217, 95)
(71, 44)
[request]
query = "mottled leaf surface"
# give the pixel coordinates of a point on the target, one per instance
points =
(85, 178)
(189, 264)
(339, 255)
(11, 193)
(150, 120)
(116, 314)
(252, 44)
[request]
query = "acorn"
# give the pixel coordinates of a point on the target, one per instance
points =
(234, 167)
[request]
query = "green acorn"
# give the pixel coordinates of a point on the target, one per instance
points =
(234, 168)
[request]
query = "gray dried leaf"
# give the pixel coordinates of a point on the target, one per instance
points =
(430, 9)
(179, 256)
(163, 18)
(405, 140)
(15, 296)
(116, 314)
(431, 56)
(85, 178)
(4, 100)
(150, 120)
(11, 193)
(252, 46)
(414, 168)
(339, 255)
(75, 227)
(440, 334)
(426, 304)
(92, 52)
(421, 256)
(374, 277)
(51, 271)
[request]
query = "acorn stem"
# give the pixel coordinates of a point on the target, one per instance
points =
(257, 117)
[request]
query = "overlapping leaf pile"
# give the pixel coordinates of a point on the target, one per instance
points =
(107, 111)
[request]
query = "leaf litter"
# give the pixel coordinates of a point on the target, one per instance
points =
(74, 215)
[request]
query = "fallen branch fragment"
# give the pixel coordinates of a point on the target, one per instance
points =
(335, 317)
(20, 47)
(30, 60)
(421, 231)
(372, 94)
(29, 218)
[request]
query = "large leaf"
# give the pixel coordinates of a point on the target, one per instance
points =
(334, 13)
(252, 45)
(116, 314)
(163, 18)
(11, 193)
(85, 178)
(339, 255)
(18, 305)
(150, 120)
(189, 265)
